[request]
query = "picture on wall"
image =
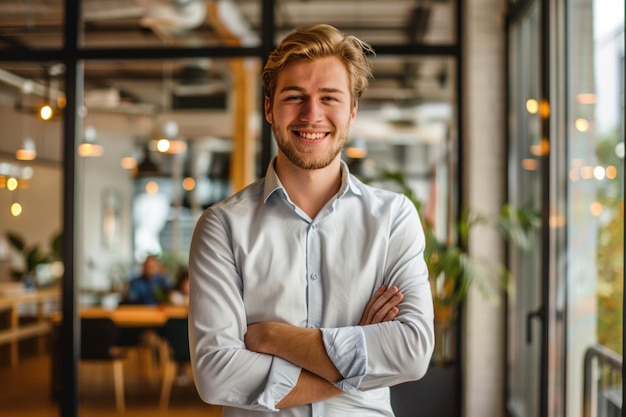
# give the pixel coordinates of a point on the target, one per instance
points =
(111, 218)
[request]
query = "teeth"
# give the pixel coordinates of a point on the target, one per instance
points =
(312, 135)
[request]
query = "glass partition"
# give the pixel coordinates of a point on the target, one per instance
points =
(595, 184)
(166, 130)
(134, 197)
(411, 130)
(31, 211)
(526, 165)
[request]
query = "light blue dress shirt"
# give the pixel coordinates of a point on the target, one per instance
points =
(257, 257)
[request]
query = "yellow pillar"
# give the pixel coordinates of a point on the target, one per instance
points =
(245, 98)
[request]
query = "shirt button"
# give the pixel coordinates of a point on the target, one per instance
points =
(313, 277)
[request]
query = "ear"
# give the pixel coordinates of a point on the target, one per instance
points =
(354, 111)
(268, 110)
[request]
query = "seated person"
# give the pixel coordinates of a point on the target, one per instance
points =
(151, 287)
(179, 295)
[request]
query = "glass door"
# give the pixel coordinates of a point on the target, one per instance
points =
(566, 151)
(526, 166)
(594, 127)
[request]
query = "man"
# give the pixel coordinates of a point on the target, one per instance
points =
(151, 287)
(309, 291)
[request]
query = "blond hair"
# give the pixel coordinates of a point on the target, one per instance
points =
(318, 41)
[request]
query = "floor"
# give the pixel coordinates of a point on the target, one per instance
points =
(27, 392)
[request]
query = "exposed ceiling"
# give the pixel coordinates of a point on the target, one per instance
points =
(407, 90)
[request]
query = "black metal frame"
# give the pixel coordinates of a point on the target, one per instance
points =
(516, 11)
(72, 55)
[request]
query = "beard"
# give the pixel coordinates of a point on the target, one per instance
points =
(306, 159)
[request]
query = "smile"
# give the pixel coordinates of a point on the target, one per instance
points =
(311, 136)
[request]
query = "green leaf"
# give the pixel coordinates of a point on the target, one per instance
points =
(16, 241)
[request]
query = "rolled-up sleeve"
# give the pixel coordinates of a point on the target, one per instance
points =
(385, 354)
(282, 378)
(346, 348)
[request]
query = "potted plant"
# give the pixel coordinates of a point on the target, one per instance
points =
(24, 268)
(451, 268)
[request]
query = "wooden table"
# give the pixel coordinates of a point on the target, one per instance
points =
(16, 332)
(136, 315)
(126, 316)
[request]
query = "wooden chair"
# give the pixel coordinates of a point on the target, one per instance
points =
(176, 338)
(98, 343)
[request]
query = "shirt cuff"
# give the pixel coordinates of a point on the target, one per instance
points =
(282, 378)
(347, 350)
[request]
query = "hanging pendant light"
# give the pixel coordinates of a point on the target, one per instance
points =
(88, 148)
(28, 151)
(147, 167)
(169, 142)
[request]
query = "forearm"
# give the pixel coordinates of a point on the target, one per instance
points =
(309, 389)
(301, 346)
(305, 347)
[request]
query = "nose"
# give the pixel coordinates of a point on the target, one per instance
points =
(311, 111)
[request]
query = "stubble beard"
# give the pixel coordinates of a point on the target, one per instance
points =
(300, 159)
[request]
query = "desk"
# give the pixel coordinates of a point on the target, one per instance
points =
(142, 317)
(124, 316)
(41, 326)
(131, 315)
(136, 315)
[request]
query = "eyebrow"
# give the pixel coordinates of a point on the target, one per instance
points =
(321, 90)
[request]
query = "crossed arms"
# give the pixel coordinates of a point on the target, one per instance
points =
(304, 347)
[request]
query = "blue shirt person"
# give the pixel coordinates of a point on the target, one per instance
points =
(151, 287)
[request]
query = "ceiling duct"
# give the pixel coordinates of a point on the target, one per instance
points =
(173, 15)
(99, 10)
(199, 86)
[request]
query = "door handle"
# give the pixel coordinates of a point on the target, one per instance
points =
(536, 314)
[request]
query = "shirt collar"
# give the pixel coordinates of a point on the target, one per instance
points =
(272, 182)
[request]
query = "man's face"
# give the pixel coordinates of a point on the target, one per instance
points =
(311, 111)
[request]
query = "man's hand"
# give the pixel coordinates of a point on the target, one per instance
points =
(305, 348)
(383, 306)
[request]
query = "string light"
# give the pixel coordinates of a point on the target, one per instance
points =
(16, 209)
(12, 184)
(46, 112)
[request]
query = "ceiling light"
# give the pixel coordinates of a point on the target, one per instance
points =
(28, 152)
(16, 209)
(147, 167)
(12, 184)
(189, 184)
(170, 143)
(46, 112)
(128, 162)
(88, 147)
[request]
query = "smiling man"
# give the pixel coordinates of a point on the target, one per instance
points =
(309, 291)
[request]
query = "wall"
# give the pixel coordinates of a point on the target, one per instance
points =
(44, 190)
(483, 40)
(101, 261)
(98, 261)
(34, 225)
